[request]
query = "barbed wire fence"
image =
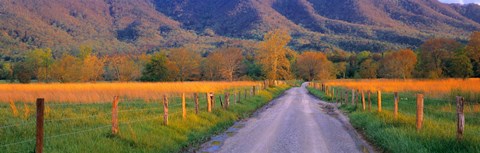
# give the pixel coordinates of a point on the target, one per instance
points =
(59, 115)
(459, 104)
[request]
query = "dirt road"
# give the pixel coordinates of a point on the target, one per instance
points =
(294, 122)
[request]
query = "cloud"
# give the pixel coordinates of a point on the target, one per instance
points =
(461, 1)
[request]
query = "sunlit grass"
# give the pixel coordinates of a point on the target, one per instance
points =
(141, 124)
(437, 135)
(104, 92)
(433, 88)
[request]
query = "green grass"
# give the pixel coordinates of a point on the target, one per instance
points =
(399, 136)
(145, 133)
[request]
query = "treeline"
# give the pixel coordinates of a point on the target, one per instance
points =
(272, 59)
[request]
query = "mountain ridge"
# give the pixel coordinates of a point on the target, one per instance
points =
(126, 26)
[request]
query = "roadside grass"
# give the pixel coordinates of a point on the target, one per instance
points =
(399, 136)
(86, 127)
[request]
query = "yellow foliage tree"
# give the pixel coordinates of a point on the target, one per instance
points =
(314, 66)
(92, 69)
(272, 55)
(226, 62)
(67, 69)
(184, 64)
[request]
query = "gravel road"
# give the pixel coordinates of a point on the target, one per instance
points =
(294, 122)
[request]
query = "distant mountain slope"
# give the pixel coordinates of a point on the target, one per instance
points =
(141, 25)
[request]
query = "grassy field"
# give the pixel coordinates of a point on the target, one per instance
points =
(103, 92)
(431, 88)
(400, 136)
(86, 127)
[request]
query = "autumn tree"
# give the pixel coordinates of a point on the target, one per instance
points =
(341, 69)
(229, 61)
(123, 68)
(272, 55)
(473, 51)
(368, 69)
(211, 67)
(434, 55)
(399, 64)
(312, 65)
(41, 61)
(156, 68)
(92, 69)
(67, 68)
(184, 64)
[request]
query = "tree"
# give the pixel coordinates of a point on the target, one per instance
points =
(156, 68)
(473, 51)
(85, 52)
(368, 69)
(314, 66)
(184, 64)
(67, 69)
(460, 66)
(399, 64)
(341, 69)
(211, 67)
(229, 61)
(434, 54)
(92, 68)
(123, 68)
(272, 55)
(6, 70)
(23, 72)
(40, 60)
(251, 68)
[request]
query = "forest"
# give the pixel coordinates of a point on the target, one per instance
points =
(271, 59)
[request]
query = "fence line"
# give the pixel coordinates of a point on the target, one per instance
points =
(127, 105)
(15, 143)
(16, 124)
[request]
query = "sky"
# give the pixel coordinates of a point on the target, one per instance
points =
(461, 1)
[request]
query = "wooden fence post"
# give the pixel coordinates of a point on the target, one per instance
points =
(369, 101)
(395, 105)
(115, 115)
(165, 110)
(353, 97)
(209, 103)
(246, 92)
(379, 100)
(184, 107)
(195, 98)
(227, 100)
(265, 84)
(40, 121)
(460, 117)
(363, 100)
(221, 101)
(419, 111)
(254, 91)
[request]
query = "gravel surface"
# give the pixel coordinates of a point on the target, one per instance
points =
(294, 122)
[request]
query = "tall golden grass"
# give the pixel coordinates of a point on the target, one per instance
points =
(431, 87)
(104, 92)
